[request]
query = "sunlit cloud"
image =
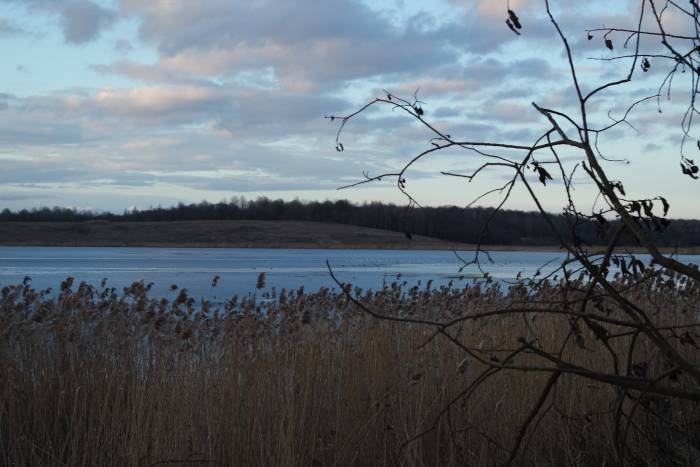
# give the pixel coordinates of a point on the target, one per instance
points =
(226, 97)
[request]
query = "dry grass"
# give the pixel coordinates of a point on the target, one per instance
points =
(223, 233)
(242, 234)
(100, 377)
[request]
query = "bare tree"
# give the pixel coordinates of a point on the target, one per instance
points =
(647, 355)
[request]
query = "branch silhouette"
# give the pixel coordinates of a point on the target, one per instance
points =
(598, 294)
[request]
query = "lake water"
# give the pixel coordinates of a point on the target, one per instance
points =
(238, 268)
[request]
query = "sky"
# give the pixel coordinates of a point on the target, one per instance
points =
(116, 104)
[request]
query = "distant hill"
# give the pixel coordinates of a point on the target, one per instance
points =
(290, 234)
(450, 223)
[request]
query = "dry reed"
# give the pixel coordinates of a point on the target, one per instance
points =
(105, 377)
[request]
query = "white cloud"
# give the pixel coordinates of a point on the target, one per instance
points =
(235, 91)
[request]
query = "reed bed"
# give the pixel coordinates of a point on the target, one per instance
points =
(95, 376)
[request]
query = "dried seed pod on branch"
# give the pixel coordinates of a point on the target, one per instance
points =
(599, 305)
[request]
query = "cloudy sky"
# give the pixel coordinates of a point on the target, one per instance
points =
(108, 104)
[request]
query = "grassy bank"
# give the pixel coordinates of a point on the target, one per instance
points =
(100, 377)
(239, 234)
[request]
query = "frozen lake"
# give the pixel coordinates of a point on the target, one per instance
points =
(238, 268)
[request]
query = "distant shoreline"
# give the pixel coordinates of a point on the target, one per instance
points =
(340, 246)
(243, 234)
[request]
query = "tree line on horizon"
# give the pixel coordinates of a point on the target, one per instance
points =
(453, 223)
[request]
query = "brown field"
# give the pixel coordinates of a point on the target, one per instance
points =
(260, 234)
(96, 377)
(241, 234)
